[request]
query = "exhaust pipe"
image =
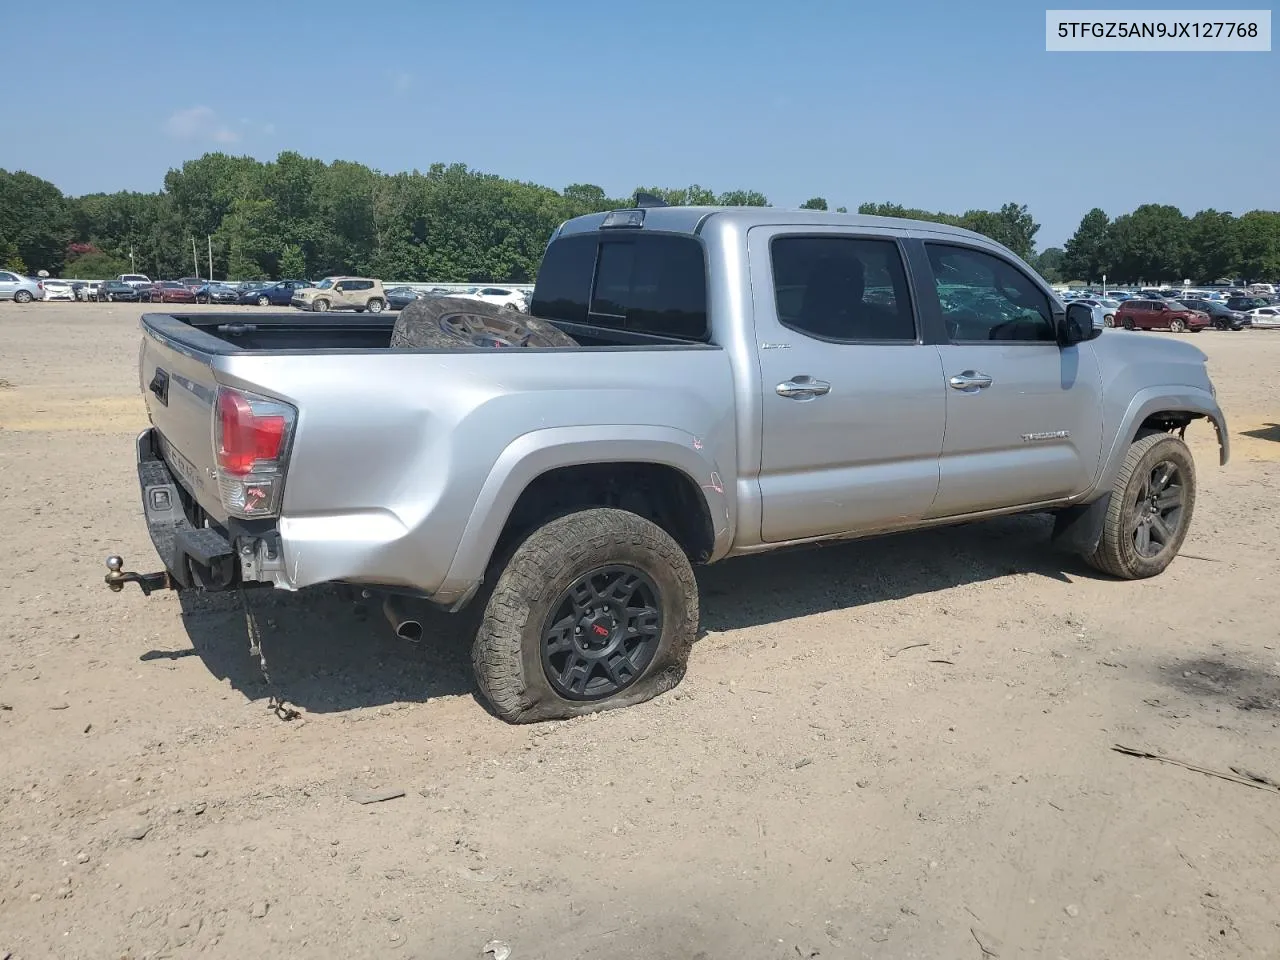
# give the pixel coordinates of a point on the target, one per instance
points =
(406, 626)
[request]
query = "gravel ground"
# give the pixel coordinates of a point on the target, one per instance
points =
(890, 749)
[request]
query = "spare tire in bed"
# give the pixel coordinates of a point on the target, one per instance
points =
(455, 322)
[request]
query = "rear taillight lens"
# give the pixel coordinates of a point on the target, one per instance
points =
(251, 447)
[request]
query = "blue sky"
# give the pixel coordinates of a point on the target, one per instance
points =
(938, 105)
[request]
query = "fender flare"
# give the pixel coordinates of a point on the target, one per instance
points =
(535, 453)
(1193, 400)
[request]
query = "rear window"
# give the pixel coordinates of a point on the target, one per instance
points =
(643, 283)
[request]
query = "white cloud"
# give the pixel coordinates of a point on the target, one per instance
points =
(401, 80)
(199, 123)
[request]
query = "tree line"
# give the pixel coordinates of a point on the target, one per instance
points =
(1158, 243)
(300, 217)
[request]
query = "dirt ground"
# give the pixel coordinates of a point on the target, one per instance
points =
(888, 749)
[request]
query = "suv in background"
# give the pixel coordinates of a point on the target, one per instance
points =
(498, 296)
(342, 293)
(1220, 315)
(1160, 315)
(113, 290)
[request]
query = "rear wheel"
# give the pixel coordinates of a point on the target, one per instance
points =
(1152, 500)
(374, 305)
(22, 296)
(595, 610)
(1178, 325)
(1128, 323)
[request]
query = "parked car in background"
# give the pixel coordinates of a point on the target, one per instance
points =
(1160, 315)
(400, 297)
(19, 289)
(217, 293)
(278, 294)
(1220, 315)
(170, 291)
(138, 280)
(58, 290)
(1264, 317)
(86, 290)
(193, 283)
(245, 286)
(1104, 308)
(500, 296)
(112, 290)
(342, 293)
(1246, 303)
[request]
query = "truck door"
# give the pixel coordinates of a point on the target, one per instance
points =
(1024, 415)
(852, 403)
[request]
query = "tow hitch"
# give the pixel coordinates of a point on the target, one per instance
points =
(117, 577)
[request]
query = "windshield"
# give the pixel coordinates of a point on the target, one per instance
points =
(325, 284)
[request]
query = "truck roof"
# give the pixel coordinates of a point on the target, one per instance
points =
(692, 220)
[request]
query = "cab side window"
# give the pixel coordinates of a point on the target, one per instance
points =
(842, 289)
(985, 298)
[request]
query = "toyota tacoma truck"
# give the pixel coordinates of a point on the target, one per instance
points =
(718, 382)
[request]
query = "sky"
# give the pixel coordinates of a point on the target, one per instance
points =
(942, 106)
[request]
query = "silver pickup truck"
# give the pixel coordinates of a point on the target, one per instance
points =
(743, 380)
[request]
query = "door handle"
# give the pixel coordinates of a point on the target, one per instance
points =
(970, 381)
(803, 388)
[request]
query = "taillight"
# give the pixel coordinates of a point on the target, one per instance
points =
(251, 447)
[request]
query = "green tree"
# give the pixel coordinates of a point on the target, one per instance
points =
(10, 258)
(842, 209)
(1210, 247)
(1087, 255)
(1256, 246)
(35, 220)
(1011, 225)
(743, 198)
(814, 203)
(292, 263)
(1149, 244)
(1049, 264)
(96, 266)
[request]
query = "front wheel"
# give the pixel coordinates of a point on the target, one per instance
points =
(264, 301)
(22, 296)
(595, 610)
(1152, 500)
(1109, 320)
(1178, 326)
(320, 306)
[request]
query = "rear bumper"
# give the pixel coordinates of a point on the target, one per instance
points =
(199, 557)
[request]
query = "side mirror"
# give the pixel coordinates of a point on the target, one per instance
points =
(1078, 325)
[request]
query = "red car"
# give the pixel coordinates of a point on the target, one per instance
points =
(1160, 315)
(169, 291)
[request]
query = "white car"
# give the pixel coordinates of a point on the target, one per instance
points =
(1258, 317)
(501, 296)
(58, 290)
(136, 280)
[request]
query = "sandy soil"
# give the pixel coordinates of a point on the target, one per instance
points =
(889, 749)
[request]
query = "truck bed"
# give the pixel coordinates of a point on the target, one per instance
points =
(228, 333)
(396, 453)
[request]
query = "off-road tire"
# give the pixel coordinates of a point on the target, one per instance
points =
(437, 323)
(22, 296)
(1116, 552)
(508, 651)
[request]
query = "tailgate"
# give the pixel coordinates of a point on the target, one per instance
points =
(179, 389)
